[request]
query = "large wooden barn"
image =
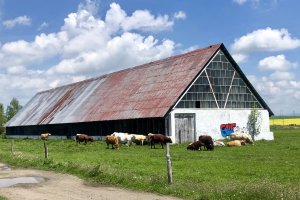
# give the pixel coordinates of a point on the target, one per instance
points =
(182, 96)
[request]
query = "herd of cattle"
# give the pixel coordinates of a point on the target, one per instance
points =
(117, 139)
(206, 141)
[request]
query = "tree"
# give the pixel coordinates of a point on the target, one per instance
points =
(12, 108)
(254, 122)
(2, 119)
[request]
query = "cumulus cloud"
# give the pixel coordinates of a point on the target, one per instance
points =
(278, 62)
(281, 91)
(180, 15)
(21, 20)
(42, 26)
(282, 76)
(239, 58)
(116, 19)
(84, 46)
(267, 39)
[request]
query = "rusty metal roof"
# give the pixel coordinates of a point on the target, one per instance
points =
(144, 91)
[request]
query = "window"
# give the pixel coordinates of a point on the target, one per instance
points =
(213, 88)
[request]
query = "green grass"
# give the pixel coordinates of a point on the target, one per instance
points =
(266, 170)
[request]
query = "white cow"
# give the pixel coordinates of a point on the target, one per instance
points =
(138, 138)
(124, 138)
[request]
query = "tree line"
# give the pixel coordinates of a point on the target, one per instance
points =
(5, 115)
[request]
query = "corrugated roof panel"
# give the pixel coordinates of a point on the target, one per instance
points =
(145, 91)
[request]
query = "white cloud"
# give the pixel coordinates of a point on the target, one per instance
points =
(116, 19)
(240, 2)
(280, 75)
(85, 46)
(239, 58)
(276, 63)
(282, 94)
(267, 39)
(21, 20)
(180, 15)
(42, 26)
(265, 5)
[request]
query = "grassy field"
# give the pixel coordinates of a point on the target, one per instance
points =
(266, 170)
(284, 121)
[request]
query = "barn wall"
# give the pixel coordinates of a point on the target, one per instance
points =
(209, 121)
(96, 129)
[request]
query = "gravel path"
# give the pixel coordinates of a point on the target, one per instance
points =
(56, 186)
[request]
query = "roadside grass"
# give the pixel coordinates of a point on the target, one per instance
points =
(266, 170)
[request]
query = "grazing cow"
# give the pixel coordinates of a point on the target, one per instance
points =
(207, 141)
(138, 139)
(159, 138)
(241, 136)
(195, 146)
(124, 138)
(44, 136)
(83, 138)
(235, 143)
(113, 140)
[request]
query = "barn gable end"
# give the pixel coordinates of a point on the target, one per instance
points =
(221, 86)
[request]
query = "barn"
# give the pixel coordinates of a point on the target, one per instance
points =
(200, 92)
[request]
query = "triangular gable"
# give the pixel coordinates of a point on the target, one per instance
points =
(221, 84)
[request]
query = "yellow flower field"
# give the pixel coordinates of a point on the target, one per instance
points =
(285, 121)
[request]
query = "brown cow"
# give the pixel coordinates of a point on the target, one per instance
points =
(195, 146)
(113, 140)
(44, 136)
(159, 138)
(83, 138)
(207, 141)
(235, 143)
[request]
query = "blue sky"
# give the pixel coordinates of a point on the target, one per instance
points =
(45, 44)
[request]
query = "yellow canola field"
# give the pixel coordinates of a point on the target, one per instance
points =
(285, 121)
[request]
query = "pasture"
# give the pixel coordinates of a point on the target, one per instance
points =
(266, 170)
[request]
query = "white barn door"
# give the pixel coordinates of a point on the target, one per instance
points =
(185, 128)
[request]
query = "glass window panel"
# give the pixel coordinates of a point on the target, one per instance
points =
(192, 89)
(180, 104)
(233, 104)
(194, 96)
(213, 104)
(189, 96)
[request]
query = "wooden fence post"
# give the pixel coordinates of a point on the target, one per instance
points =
(169, 164)
(12, 146)
(46, 149)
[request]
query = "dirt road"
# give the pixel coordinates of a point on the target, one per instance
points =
(57, 186)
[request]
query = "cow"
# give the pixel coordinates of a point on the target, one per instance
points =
(83, 138)
(124, 138)
(195, 146)
(241, 136)
(218, 143)
(159, 138)
(44, 136)
(207, 141)
(235, 143)
(113, 140)
(138, 139)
